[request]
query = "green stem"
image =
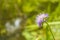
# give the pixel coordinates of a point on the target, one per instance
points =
(47, 38)
(50, 30)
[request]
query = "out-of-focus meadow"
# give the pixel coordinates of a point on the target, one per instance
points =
(27, 10)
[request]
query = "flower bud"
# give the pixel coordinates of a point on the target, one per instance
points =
(40, 19)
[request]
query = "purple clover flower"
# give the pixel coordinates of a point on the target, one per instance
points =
(40, 19)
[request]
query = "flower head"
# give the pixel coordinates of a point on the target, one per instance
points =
(40, 19)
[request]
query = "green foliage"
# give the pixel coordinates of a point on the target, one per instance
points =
(10, 9)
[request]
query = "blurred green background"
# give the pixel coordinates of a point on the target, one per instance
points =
(10, 9)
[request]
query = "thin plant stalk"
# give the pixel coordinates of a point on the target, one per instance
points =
(50, 30)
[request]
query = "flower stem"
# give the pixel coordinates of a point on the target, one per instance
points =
(50, 30)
